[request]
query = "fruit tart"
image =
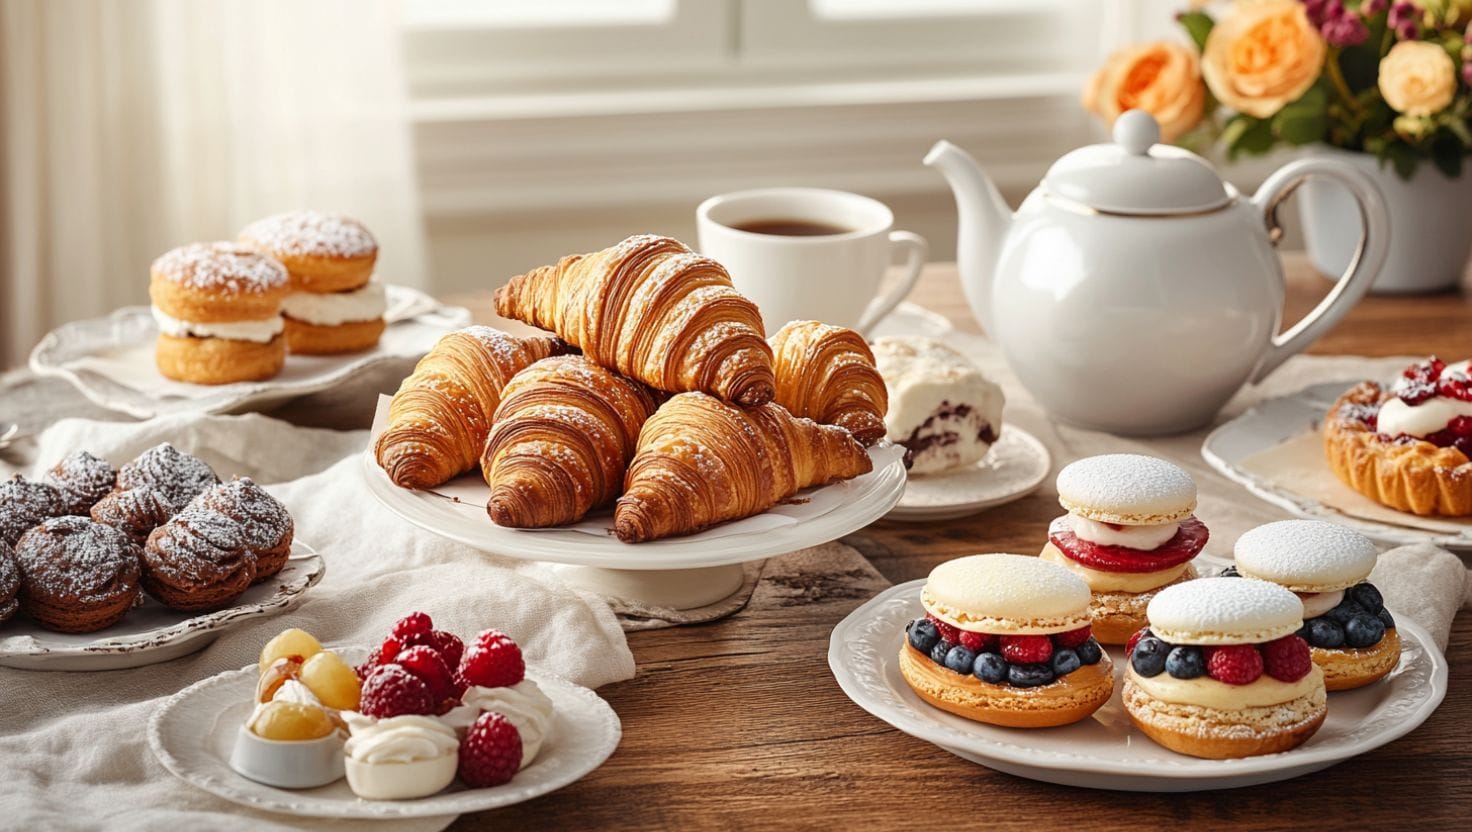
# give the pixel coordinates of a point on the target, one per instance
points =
(1407, 447)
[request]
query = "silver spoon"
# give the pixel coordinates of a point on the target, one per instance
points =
(9, 434)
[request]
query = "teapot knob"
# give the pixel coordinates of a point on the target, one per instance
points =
(1136, 131)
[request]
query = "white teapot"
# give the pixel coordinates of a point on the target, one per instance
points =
(1134, 291)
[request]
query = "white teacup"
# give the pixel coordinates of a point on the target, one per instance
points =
(810, 253)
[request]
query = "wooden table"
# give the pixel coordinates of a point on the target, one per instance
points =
(740, 724)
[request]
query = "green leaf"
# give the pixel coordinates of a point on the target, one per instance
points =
(1402, 158)
(1198, 25)
(1245, 134)
(1446, 154)
(1306, 120)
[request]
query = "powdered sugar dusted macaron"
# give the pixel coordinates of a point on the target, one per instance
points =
(1127, 489)
(1352, 635)
(1006, 641)
(1221, 673)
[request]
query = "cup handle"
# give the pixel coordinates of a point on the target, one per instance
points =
(1369, 255)
(915, 249)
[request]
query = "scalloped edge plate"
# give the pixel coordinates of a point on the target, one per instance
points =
(1014, 467)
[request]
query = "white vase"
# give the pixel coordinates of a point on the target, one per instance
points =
(1430, 224)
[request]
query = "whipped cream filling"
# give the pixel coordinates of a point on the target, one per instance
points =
(1144, 538)
(260, 332)
(333, 308)
(523, 704)
(1316, 604)
(1421, 420)
(398, 739)
(1207, 692)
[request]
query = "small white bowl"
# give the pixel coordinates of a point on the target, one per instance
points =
(294, 764)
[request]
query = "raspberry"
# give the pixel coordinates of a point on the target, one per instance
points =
(493, 662)
(449, 646)
(948, 632)
(425, 663)
(391, 647)
(1239, 664)
(1287, 659)
(1135, 639)
(1027, 649)
(411, 625)
(977, 642)
(371, 663)
(1455, 386)
(391, 690)
(490, 754)
(1073, 638)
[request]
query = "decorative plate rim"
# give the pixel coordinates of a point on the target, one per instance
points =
(1034, 444)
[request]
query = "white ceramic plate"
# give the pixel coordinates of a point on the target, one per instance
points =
(110, 360)
(1106, 751)
(1275, 421)
(152, 633)
(1013, 468)
(193, 732)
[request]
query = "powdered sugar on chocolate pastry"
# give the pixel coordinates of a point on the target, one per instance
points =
(311, 233)
(176, 475)
(264, 521)
(198, 546)
(23, 504)
(135, 512)
(74, 560)
(221, 267)
(9, 582)
(82, 479)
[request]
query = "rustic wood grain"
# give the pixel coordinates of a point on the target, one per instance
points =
(739, 724)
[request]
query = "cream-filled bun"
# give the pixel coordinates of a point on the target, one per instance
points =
(1127, 490)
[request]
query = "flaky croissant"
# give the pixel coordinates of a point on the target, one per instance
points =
(701, 461)
(564, 433)
(439, 418)
(827, 374)
(655, 311)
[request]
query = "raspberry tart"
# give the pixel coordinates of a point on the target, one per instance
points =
(1220, 671)
(1006, 641)
(1128, 533)
(1351, 635)
(1408, 447)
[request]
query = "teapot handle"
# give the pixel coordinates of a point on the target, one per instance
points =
(1369, 255)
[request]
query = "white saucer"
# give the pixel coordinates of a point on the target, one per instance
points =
(1106, 751)
(1013, 468)
(152, 633)
(193, 732)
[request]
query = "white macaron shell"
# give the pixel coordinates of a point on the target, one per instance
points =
(1127, 489)
(1009, 594)
(1306, 555)
(1224, 611)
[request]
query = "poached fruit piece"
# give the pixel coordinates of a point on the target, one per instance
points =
(332, 680)
(292, 642)
(291, 722)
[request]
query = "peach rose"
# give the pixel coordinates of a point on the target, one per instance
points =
(1163, 79)
(1261, 55)
(1418, 78)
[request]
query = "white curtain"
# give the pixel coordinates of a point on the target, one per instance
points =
(127, 128)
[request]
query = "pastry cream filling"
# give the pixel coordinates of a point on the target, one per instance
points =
(1421, 420)
(1114, 581)
(1316, 604)
(260, 332)
(1207, 692)
(333, 308)
(1144, 538)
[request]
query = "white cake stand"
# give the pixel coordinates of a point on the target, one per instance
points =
(676, 573)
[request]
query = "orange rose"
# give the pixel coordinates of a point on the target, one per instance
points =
(1261, 55)
(1418, 78)
(1163, 79)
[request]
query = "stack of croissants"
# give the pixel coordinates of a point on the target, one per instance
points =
(658, 392)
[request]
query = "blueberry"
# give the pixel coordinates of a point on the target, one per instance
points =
(1029, 675)
(959, 659)
(990, 667)
(939, 651)
(1325, 633)
(1345, 610)
(1364, 630)
(1066, 661)
(923, 634)
(1230, 572)
(1368, 597)
(1185, 662)
(1149, 656)
(1089, 652)
(1303, 631)
(1386, 619)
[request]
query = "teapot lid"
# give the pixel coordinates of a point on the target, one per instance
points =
(1135, 174)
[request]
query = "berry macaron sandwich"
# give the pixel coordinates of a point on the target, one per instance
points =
(1006, 641)
(1129, 532)
(1220, 671)
(1351, 634)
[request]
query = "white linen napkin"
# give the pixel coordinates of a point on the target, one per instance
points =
(73, 746)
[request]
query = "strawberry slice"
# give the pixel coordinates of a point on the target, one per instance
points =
(1187, 543)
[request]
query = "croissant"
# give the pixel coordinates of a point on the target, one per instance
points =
(564, 433)
(655, 311)
(827, 374)
(701, 461)
(439, 418)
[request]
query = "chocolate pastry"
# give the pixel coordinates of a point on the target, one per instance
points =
(198, 561)
(82, 479)
(266, 523)
(168, 470)
(135, 512)
(77, 576)
(9, 583)
(24, 504)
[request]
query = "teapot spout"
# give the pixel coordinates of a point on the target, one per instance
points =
(983, 218)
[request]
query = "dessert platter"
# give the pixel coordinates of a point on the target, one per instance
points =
(424, 725)
(1390, 461)
(712, 445)
(225, 316)
(104, 568)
